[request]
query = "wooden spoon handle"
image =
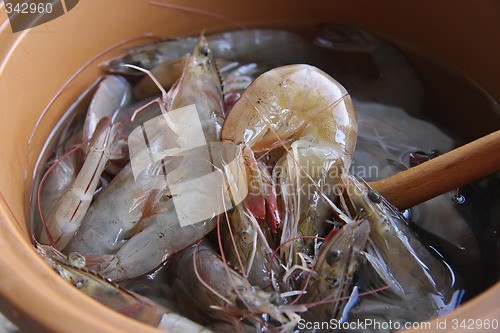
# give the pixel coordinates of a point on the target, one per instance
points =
(460, 166)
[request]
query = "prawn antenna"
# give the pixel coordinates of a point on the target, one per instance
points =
(164, 96)
(199, 11)
(162, 102)
(224, 260)
(81, 69)
(10, 210)
(331, 299)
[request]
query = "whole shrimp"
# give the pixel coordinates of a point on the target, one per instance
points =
(396, 141)
(224, 294)
(308, 116)
(339, 259)
(66, 215)
(61, 140)
(421, 286)
(61, 192)
(58, 181)
(161, 233)
(128, 303)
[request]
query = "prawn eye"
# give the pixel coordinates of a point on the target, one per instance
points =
(79, 284)
(247, 237)
(332, 257)
(355, 278)
(276, 299)
(205, 51)
(76, 260)
(374, 196)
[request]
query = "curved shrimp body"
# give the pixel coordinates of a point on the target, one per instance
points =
(418, 279)
(146, 250)
(309, 114)
(339, 259)
(221, 291)
(66, 215)
(294, 103)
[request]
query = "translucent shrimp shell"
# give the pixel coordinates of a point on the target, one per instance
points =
(295, 101)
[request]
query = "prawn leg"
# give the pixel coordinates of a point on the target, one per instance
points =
(261, 198)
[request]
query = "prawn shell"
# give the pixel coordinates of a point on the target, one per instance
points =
(299, 98)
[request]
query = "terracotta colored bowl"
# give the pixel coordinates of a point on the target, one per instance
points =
(35, 64)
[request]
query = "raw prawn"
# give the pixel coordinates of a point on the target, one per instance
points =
(339, 260)
(421, 286)
(128, 303)
(65, 134)
(385, 147)
(66, 215)
(225, 294)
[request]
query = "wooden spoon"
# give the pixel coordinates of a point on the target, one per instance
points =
(456, 168)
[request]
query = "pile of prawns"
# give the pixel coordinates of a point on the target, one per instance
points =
(293, 231)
